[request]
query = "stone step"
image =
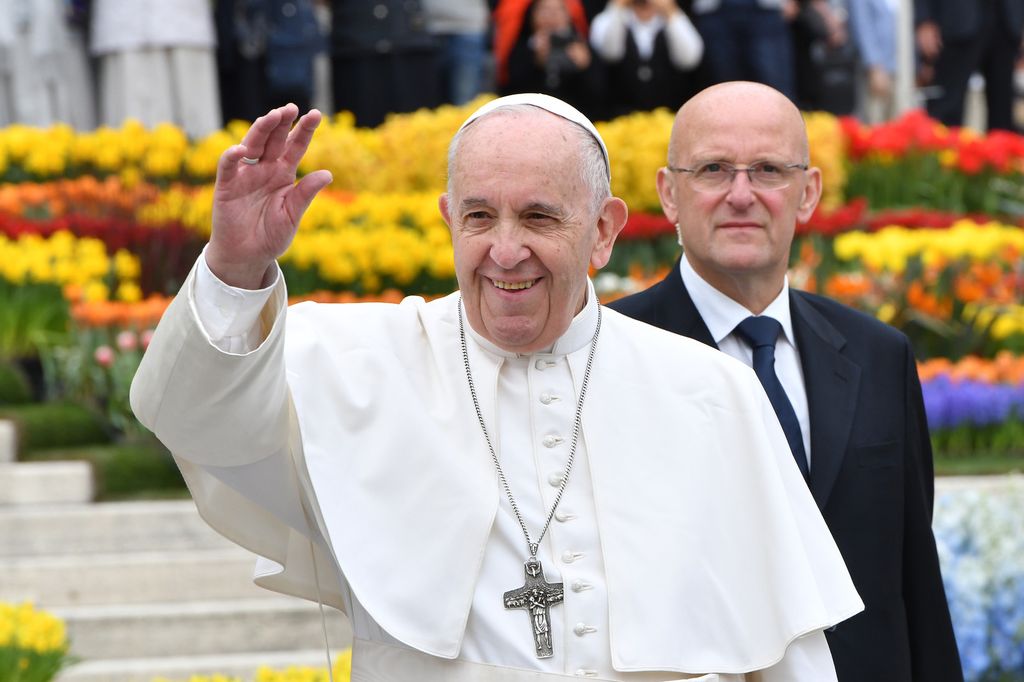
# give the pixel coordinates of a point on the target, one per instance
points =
(200, 628)
(131, 578)
(181, 668)
(104, 528)
(45, 483)
(8, 441)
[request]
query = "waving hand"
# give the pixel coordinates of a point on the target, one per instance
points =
(257, 203)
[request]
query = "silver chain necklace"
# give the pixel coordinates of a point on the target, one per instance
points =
(536, 595)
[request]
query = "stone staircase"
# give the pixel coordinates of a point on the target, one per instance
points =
(146, 589)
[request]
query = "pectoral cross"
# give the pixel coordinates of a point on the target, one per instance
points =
(537, 596)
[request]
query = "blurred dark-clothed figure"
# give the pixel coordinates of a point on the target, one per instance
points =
(383, 59)
(541, 46)
(746, 40)
(650, 49)
(955, 39)
(265, 52)
(460, 29)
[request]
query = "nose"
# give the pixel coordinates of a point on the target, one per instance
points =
(741, 192)
(508, 248)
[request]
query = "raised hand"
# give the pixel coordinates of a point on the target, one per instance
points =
(256, 203)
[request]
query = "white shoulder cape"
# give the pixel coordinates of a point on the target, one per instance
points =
(716, 555)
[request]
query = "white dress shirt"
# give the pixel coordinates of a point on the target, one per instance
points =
(721, 314)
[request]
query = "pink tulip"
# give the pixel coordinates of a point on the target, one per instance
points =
(104, 356)
(127, 341)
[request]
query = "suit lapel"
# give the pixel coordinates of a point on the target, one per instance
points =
(832, 382)
(681, 314)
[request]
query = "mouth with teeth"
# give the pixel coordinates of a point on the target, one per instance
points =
(513, 286)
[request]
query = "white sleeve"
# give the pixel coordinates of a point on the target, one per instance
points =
(807, 659)
(229, 315)
(685, 46)
(608, 33)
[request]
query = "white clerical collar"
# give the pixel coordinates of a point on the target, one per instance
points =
(721, 314)
(577, 336)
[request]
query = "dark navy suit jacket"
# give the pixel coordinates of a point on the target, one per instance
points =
(871, 476)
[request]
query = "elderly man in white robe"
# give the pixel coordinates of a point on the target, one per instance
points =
(508, 483)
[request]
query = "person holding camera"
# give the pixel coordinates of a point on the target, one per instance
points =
(549, 54)
(651, 49)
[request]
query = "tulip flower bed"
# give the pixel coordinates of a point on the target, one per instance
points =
(919, 225)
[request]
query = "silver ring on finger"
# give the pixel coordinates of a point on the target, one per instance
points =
(250, 161)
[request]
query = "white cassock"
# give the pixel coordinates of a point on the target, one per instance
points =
(687, 543)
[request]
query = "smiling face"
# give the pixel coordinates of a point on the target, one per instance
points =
(738, 238)
(525, 226)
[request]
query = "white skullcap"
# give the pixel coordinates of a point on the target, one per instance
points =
(547, 103)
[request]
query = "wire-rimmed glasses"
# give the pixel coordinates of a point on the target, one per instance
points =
(716, 176)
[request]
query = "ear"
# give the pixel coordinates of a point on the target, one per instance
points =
(667, 194)
(442, 204)
(610, 221)
(811, 195)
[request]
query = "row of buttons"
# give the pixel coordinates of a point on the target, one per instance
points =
(555, 480)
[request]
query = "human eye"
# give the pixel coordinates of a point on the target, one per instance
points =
(713, 169)
(476, 218)
(767, 169)
(539, 219)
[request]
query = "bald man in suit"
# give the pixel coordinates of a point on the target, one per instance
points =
(844, 385)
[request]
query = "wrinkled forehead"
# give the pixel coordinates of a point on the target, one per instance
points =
(547, 103)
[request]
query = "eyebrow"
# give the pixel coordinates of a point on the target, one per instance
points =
(536, 206)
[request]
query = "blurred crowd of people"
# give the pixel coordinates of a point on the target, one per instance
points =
(201, 63)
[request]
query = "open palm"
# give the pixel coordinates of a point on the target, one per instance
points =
(256, 203)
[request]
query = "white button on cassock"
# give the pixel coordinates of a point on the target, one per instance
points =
(583, 629)
(547, 398)
(544, 364)
(555, 480)
(551, 441)
(564, 516)
(579, 586)
(569, 557)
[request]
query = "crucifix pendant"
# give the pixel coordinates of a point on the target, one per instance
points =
(537, 596)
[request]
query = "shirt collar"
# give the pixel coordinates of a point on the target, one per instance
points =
(577, 336)
(721, 314)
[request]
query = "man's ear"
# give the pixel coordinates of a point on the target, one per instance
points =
(810, 196)
(667, 195)
(610, 222)
(442, 204)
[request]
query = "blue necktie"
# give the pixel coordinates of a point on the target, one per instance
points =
(761, 333)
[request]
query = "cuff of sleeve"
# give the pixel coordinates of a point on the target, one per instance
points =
(224, 310)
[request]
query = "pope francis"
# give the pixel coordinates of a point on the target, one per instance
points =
(511, 482)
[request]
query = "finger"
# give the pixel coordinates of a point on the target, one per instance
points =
(279, 135)
(300, 137)
(298, 198)
(227, 166)
(255, 140)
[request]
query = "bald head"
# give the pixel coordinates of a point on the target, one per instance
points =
(752, 106)
(737, 234)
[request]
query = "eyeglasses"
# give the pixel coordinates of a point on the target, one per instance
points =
(716, 176)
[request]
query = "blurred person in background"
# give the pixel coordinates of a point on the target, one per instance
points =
(957, 38)
(45, 74)
(747, 40)
(157, 63)
(265, 53)
(824, 57)
(383, 59)
(541, 46)
(460, 29)
(650, 48)
(873, 25)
